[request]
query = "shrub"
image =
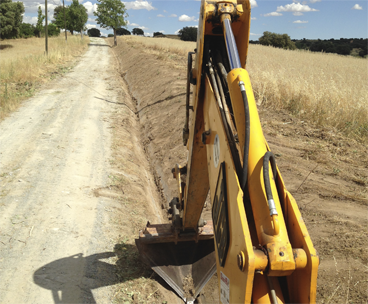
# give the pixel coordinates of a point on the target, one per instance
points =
(277, 40)
(188, 33)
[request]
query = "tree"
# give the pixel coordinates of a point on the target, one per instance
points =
(363, 52)
(27, 30)
(137, 31)
(77, 17)
(53, 30)
(39, 24)
(93, 32)
(343, 49)
(111, 14)
(277, 40)
(122, 31)
(59, 16)
(157, 34)
(11, 18)
(188, 33)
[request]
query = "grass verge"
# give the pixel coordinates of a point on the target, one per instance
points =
(24, 66)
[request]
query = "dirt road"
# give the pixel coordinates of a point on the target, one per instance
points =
(54, 152)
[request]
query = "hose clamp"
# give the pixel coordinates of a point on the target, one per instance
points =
(272, 207)
(242, 86)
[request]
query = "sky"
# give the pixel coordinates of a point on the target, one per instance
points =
(310, 19)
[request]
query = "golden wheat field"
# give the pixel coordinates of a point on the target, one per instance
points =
(327, 90)
(23, 65)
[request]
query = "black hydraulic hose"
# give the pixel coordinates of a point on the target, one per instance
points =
(223, 72)
(186, 124)
(269, 157)
(244, 176)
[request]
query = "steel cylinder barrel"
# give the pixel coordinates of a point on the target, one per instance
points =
(232, 50)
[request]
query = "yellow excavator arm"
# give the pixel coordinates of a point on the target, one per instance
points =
(262, 248)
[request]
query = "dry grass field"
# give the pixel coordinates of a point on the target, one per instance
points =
(24, 66)
(327, 90)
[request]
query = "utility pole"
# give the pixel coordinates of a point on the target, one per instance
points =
(66, 37)
(46, 41)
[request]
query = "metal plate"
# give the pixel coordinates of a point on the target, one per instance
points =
(220, 216)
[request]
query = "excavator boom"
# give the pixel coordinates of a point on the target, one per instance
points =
(262, 250)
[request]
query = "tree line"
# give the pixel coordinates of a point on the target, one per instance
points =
(111, 14)
(73, 16)
(342, 46)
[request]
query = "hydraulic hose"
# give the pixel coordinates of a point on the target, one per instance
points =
(269, 157)
(244, 176)
(187, 107)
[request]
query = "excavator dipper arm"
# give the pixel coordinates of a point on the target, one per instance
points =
(262, 249)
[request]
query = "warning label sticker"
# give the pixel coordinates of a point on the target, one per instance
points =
(225, 289)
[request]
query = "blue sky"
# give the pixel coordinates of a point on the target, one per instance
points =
(311, 19)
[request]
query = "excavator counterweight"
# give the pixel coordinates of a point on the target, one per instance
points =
(256, 239)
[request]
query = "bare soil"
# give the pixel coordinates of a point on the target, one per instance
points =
(325, 171)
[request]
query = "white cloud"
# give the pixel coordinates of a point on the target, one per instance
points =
(296, 8)
(177, 32)
(143, 28)
(253, 18)
(357, 7)
(185, 18)
(273, 14)
(173, 15)
(314, 1)
(32, 7)
(133, 24)
(252, 34)
(253, 3)
(300, 21)
(29, 19)
(148, 34)
(88, 25)
(165, 11)
(90, 7)
(161, 16)
(139, 4)
(161, 32)
(91, 20)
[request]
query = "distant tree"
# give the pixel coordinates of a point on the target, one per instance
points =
(27, 30)
(343, 49)
(363, 52)
(137, 31)
(122, 31)
(93, 32)
(111, 14)
(110, 35)
(39, 24)
(157, 34)
(277, 40)
(188, 33)
(53, 30)
(77, 17)
(59, 10)
(11, 18)
(59, 17)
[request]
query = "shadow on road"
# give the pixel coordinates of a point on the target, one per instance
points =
(72, 279)
(94, 44)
